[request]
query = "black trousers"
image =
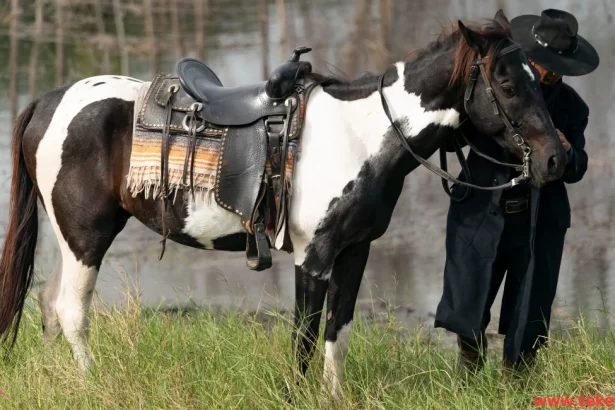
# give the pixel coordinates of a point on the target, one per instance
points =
(511, 261)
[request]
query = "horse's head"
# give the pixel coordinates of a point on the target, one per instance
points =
(507, 75)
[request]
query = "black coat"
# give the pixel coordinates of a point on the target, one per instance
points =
(474, 229)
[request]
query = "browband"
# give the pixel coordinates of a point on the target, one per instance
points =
(514, 46)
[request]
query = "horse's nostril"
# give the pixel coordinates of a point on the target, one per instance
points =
(552, 164)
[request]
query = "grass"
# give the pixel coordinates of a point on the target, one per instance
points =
(206, 360)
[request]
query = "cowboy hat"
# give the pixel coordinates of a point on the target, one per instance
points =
(551, 40)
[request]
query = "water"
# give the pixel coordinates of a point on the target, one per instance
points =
(405, 265)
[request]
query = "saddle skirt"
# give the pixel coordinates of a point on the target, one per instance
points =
(175, 152)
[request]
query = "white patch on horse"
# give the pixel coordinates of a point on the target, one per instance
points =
(73, 303)
(335, 352)
(207, 221)
(529, 72)
(345, 134)
(77, 280)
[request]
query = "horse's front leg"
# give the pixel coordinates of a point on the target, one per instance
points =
(310, 294)
(341, 298)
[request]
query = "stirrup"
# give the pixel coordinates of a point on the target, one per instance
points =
(257, 249)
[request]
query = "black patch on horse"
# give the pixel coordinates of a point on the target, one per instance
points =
(83, 197)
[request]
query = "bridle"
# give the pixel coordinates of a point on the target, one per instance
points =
(478, 65)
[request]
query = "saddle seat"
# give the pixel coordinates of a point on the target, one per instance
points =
(234, 106)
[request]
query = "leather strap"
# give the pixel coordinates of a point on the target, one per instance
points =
(281, 194)
(441, 173)
(464, 167)
(164, 166)
(476, 67)
(191, 145)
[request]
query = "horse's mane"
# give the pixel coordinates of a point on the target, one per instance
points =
(465, 55)
(449, 35)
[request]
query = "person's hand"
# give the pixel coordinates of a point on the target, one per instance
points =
(563, 139)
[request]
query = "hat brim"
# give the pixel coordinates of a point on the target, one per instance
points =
(584, 61)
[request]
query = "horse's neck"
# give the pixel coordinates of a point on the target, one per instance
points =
(420, 112)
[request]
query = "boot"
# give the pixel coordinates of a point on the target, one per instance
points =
(471, 356)
(525, 363)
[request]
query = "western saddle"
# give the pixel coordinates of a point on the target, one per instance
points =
(259, 121)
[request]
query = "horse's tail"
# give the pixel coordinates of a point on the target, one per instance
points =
(17, 258)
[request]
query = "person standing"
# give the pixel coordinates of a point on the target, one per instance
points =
(518, 231)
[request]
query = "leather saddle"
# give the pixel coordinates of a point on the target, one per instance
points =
(259, 121)
(243, 104)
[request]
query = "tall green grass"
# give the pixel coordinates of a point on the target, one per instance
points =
(202, 360)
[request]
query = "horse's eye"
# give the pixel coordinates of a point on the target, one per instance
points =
(508, 90)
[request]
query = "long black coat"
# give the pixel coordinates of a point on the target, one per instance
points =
(474, 230)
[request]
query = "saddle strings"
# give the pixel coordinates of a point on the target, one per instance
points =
(164, 167)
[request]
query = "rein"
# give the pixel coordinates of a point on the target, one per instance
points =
(497, 110)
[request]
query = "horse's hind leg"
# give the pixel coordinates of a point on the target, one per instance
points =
(341, 298)
(47, 297)
(81, 260)
(87, 222)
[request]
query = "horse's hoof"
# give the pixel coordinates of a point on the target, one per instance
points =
(289, 394)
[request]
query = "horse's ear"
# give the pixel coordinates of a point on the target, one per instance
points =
(502, 20)
(474, 40)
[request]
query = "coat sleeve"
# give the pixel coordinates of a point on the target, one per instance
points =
(575, 134)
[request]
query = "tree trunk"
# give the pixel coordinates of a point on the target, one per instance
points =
(152, 48)
(105, 66)
(385, 30)
(59, 42)
(177, 41)
(121, 35)
(200, 13)
(36, 39)
(355, 39)
(263, 22)
(281, 9)
(14, 58)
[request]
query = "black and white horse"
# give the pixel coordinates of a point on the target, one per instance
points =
(71, 149)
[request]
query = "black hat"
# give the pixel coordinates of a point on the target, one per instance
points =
(551, 40)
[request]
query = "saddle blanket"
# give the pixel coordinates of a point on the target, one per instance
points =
(145, 158)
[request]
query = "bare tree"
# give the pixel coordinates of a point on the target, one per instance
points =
(200, 14)
(100, 26)
(385, 29)
(152, 48)
(59, 42)
(14, 57)
(121, 35)
(281, 9)
(36, 39)
(356, 36)
(178, 45)
(263, 22)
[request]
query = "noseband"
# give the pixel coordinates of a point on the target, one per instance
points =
(478, 65)
(497, 109)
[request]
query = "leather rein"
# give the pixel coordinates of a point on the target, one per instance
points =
(478, 65)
